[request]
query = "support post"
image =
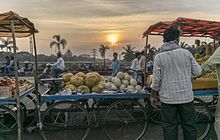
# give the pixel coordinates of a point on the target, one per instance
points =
(16, 82)
(145, 61)
(214, 46)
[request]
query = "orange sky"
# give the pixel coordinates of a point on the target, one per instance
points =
(86, 23)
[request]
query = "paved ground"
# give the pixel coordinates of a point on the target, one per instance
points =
(154, 132)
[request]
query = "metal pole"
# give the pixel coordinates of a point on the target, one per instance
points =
(145, 61)
(214, 46)
(16, 81)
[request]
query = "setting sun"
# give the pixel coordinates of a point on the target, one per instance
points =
(113, 38)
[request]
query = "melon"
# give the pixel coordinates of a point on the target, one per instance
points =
(127, 77)
(125, 82)
(133, 82)
(77, 81)
(83, 89)
(81, 74)
(67, 77)
(120, 75)
(91, 80)
(138, 88)
(117, 82)
(122, 87)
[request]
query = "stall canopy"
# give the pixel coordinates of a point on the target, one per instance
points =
(188, 27)
(22, 26)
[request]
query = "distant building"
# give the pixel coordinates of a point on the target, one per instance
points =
(84, 55)
(68, 53)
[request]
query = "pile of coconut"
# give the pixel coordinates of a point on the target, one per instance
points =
(122, 82)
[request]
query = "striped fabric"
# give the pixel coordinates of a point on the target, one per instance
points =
(173, 71)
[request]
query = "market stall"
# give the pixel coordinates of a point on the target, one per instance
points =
(15, 26)
(191, 28)
(206, 87)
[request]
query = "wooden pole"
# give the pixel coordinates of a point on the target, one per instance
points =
(16, 81)
(38, 96)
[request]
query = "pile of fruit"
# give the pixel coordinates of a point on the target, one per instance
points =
(122, 82)
(94, 82)
(9, 82)
(84, 83)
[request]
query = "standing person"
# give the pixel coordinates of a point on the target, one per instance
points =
(213, 63)
(58, 67)
(136, 67)
(174, 68)
(10, 67)
(4, 67)
(116, 64)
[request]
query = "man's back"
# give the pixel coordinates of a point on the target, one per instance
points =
(175, 68)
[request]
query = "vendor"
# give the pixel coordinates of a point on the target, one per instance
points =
(116, 64)
(136, 68)
(58, 67)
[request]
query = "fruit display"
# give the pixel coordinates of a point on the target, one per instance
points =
(122, 82)
(8, 86)
(95, 83)
(84, 83)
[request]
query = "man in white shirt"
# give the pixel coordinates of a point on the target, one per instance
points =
(136, 68)
(173, 70)
(58, 67)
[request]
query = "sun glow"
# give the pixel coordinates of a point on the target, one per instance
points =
(113, 38)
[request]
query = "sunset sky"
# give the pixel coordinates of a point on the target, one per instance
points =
(87, 23)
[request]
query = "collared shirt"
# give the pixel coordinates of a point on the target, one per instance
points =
(174, 68)
(116, 64)
(59, 64)
(135, 65)
(142, 62)
(213, 63)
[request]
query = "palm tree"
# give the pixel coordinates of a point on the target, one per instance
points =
(6, 43)
(102, 51)
(57, 42)
(128, 53)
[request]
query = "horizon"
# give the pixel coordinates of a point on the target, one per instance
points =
(86, 24)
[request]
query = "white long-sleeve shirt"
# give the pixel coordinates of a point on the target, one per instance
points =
(135, 65)
(173, 70)
(59, 64)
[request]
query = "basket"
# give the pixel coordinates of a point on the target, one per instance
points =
(5, 92)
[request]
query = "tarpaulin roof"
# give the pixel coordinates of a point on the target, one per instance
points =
(23, 27)
(188, 27)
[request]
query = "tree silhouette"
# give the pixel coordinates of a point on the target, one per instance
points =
(128, 53)
(58, 42)
(102, 51)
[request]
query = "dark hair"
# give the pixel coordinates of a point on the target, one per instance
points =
(12, 57)
(143, 52)
(59, 54)
(137, 53)
(115, 53)
(6, 57)
(171, 34)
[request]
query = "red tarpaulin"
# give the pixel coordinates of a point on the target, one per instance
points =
(188, 28)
